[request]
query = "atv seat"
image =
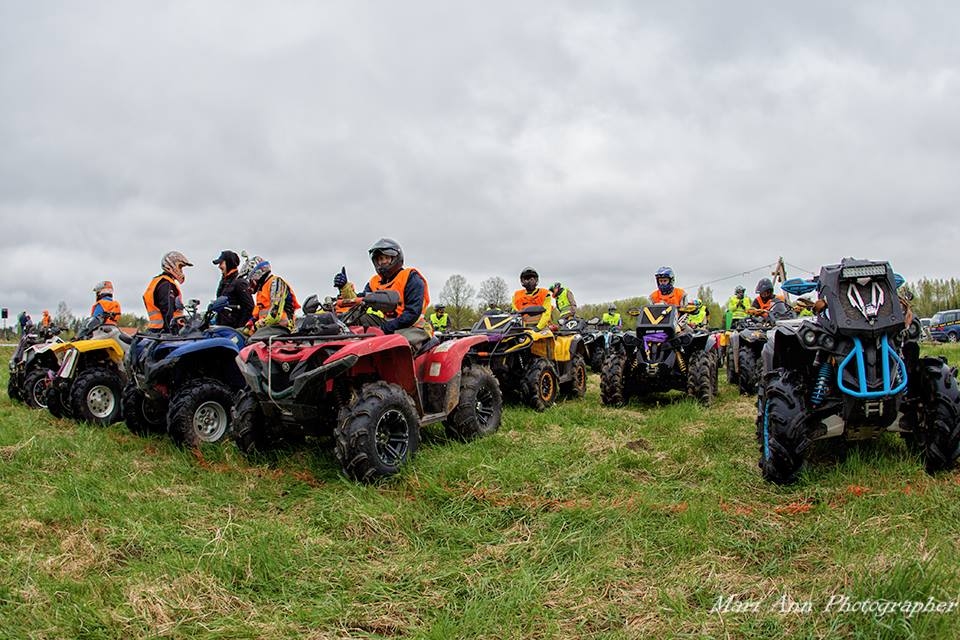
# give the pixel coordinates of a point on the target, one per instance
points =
(426, 346)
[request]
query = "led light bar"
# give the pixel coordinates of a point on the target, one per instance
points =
(866, 271)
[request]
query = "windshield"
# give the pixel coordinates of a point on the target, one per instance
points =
(937, 318)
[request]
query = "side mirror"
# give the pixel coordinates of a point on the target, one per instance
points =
(311, 304)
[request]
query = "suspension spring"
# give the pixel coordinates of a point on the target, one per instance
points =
(681, 362)
(822, 386)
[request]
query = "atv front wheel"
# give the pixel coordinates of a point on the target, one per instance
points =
(700, 377)
(596, 359)
(749, 371)
(540, 385)
(200, 412)
(142, 415)
(379, 432)
(613, 384)
(480, 407)
(781, 428)
(58, 398)
(249, 424)
(95, 396)
(577, 387)
(940, 417)
(35, 388)
(12, 390)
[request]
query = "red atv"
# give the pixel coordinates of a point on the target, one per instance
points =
(371, 391)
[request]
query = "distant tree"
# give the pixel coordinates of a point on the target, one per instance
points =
(930, 296)
(63, 317)
(494, 290)
(457, 294)
(716, 313)
(131, 320)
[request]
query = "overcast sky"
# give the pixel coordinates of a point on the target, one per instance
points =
(594, 141)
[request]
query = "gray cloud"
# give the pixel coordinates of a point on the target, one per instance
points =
(594, 141)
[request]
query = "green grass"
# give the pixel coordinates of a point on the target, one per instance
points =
(581, 521)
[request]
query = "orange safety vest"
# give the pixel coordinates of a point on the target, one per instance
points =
(398, 284)
(45, 320)
(109, 307)
(765, 306)
(675, 297)
(522, 299)
(154, 316)
(262, 304)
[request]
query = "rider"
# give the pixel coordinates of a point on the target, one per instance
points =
(612, 317)
(738, 305)
(274, 302)
(407, 319)
(162, 296)
(45, 320)
(563, 298)
(235, 289)
(767, 305)
(532, 296)
(104, 305)
(439, 319)
(666, 293)
(701, 316)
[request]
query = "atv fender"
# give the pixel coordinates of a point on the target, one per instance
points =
(442, 363)
(389, 357)
(112, 348)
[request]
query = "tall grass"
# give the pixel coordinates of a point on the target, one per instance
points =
(582, 521)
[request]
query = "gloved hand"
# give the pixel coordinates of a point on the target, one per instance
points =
(340, 280)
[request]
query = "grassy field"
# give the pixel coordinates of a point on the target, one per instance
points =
(581, 521)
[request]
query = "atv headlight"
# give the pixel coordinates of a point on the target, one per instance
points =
(809, 338)
(828, 342)
(867, 271)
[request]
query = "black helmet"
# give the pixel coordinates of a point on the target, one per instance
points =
(440, 307)
(529, 272)
(765, 284)
(740, 290)
(391, 249)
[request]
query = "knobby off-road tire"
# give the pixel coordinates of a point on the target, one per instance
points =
(613, 383)
(249, 424)
(200, 412)
(732, 376)
(95, 396)
(596, 359)
(58, 398)
(13, 391)
(141, 415)
(540, 385)
(939, 418)
(35, 388)
(378, 433)
(700, 377)
(480, 407)
(781, 427)
(749, 371)
(577, 386)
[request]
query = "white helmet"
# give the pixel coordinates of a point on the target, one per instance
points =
(173, 263)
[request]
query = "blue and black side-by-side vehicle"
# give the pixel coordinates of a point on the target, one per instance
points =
(852, 372)
(184, 384)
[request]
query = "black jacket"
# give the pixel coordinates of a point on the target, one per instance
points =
(239, 295)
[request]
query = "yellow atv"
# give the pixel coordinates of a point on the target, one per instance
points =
(533, 365)
(91, 377)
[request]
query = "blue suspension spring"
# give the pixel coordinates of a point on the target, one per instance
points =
(822, 386)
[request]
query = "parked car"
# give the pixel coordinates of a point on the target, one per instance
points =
(945, 326)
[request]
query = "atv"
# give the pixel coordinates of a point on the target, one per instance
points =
(33, 365)
(371, 392)
(663, 353)
(88, 383)
(853, 371)
(534, 366)
(184, 384)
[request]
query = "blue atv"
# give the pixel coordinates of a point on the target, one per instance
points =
(184, 384)
(853, 371)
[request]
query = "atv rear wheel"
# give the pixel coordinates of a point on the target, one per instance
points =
(940, 417)
(142, 415)
(749, 371)
(380, 431)
(480, 407)
(200, 412)
(596, 359)
(781, 428)
(540, 385)
(577, 387)
(249, 424)
(613, 383)
(35, 388)
(732, 376)
(700, 377)
(95, 396)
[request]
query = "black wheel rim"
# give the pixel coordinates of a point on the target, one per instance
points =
(484, 405)
(393, 437)
(581, 374)
(39, 393)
